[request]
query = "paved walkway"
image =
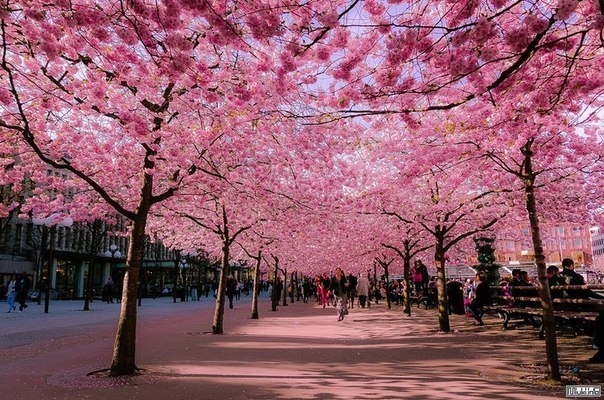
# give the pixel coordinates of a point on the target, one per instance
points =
(298, 352)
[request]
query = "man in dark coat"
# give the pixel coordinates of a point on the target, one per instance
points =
(482, 298)
(22, 288)
(231, 289)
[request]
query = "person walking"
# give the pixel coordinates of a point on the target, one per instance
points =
(339, 288)
(306, 284)
(276, 293)
(231, 289)
(418, 278)
(238, 290)
(22, 286)
(352, 289)
(362, 289)
(325, 283)
(11, 293)
(108, 289)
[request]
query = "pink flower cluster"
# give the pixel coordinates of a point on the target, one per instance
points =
(565, 9)
(498, 3)
(373, 7)
(264, 24)
(484, 30)
(535, 23)
(517, 39)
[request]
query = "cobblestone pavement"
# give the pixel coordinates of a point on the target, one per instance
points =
(298, 352)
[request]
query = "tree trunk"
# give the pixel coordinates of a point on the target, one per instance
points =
(274, 296)
(284, 287)
(124, 348)
(441, 284)
(292, 288)
(406, 278)
(175, 287)
(256, 286)
(218, 325)
(95, 247)
(387, 278)
(551, 346)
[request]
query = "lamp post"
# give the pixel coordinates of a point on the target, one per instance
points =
(40, 265)
(183, 276)
(51, 222)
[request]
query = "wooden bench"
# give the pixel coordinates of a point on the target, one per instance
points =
(573, 316)
(428, 299)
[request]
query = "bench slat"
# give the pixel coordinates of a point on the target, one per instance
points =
(577, 314)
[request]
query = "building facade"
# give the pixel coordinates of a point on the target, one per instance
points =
(93, 251)
(559, 241)
(597, 243)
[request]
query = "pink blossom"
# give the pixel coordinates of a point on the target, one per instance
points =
(171, 20)
(459, 38)
(462, 64)
(5, 96)
(386, 77)
(375, 8)
(99, 91)
(344, 71)
(340, 38)
(101, 34)
(329, 18)
(309, 80)
(498, 3)
(5, 15)
(518, 39)
(483, 30)
(182, 61)
(35, 13)
(265, 64)
(466, 9)
(139, 7)
(128, 36)
(488, 53)
(323, 53)
(86, 15)
(565, 9)
(178, 41)
(264, 24)
(535, 23)
(50, 47)
(598, 22)
(287, 62)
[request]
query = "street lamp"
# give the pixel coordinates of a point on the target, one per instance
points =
(51, 222)
(113, 253)
(183, 276)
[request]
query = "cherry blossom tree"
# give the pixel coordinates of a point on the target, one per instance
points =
(398, 58)
(139, 100)
(384, 261)
(255, 292)
(408, 244)
(547, 158)
(127, 98)
(227, 235)
(557, 174)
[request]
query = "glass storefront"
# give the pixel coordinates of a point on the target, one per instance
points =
(66, 282)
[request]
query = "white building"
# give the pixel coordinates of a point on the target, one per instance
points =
(597, 245)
